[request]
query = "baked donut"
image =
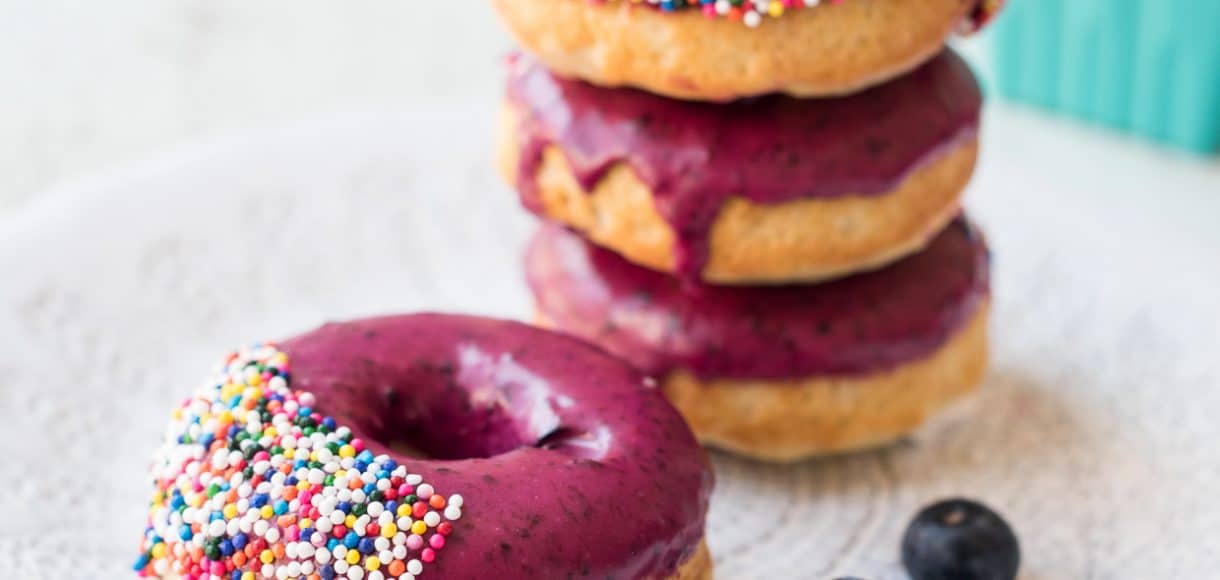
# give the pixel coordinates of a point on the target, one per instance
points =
(783, 372)
(770, 190)
(679, 48)
(547, 459)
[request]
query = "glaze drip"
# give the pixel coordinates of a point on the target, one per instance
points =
(695, 156)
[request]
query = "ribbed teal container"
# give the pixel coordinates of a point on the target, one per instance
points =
(1151, 67)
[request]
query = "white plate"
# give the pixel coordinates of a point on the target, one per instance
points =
(1095, 434)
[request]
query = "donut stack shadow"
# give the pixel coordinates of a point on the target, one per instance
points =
(775, 236)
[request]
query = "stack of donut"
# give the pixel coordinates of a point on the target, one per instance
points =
(757, 202)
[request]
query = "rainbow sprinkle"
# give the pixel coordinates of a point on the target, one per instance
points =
(252, 483)
(750, 12)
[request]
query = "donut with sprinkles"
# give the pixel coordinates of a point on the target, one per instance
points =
(721, 50)
(425, 446)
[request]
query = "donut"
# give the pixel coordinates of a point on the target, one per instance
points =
(769, 190)
(545, 458)
(668, 47)
(781, 373)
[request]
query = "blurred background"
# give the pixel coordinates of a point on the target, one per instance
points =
(91, 85)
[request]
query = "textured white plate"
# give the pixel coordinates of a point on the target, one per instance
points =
(1095, 434)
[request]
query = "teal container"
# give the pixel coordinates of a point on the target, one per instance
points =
(1151, 67)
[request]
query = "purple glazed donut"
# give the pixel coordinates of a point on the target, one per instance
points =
(781, 373)
(557, 460)
(770, 190)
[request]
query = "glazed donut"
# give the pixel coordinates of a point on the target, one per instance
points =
(770, 190)
(781, 373)
(547, 459)
(669, 48)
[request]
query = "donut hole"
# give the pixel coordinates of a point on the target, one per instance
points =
(479, 406)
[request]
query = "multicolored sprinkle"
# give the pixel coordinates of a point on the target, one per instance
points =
(251, 483)
(750, 12)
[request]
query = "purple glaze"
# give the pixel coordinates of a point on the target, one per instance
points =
(982, 14)
(568, 463)
(695, 156)
(858, 324)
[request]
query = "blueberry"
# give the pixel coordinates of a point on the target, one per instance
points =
(959, 539)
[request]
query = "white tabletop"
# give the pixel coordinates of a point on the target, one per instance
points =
(1095, 433)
